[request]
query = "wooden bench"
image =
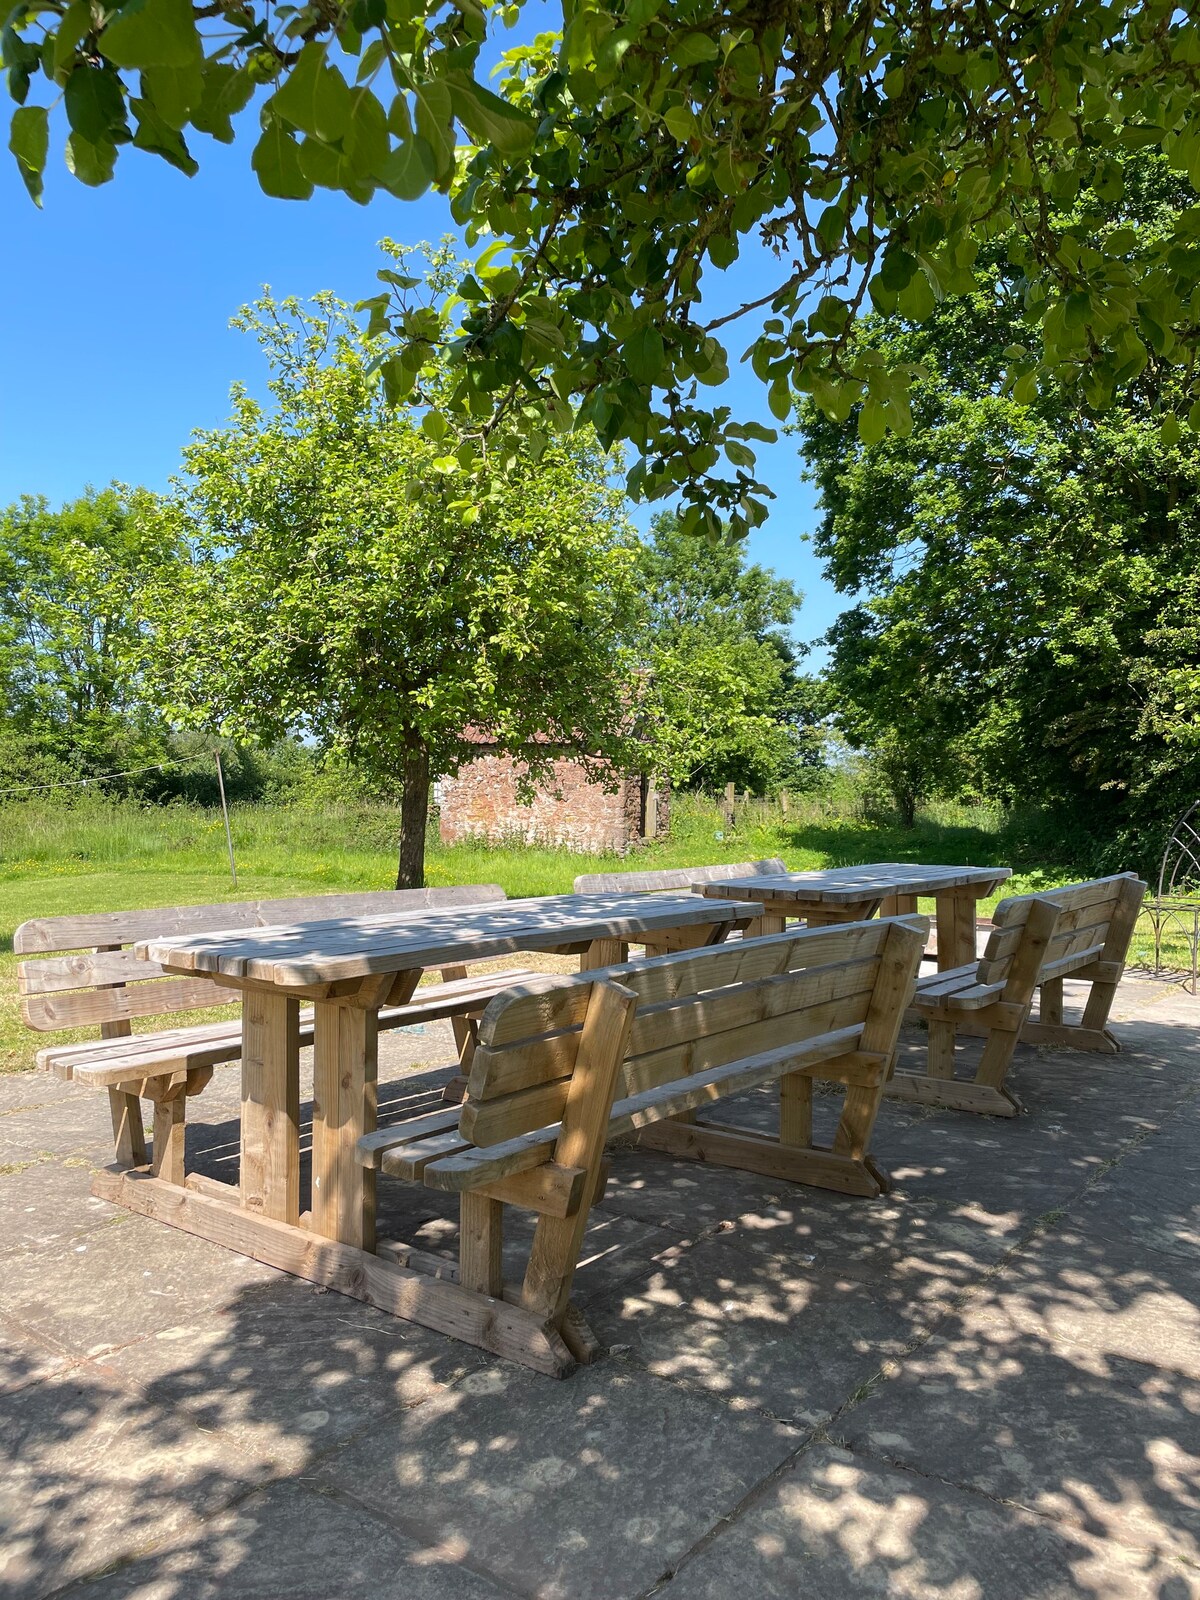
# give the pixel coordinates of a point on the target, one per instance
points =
(564, 1065)
(672, 878)
(1081, 931)
(103, 983)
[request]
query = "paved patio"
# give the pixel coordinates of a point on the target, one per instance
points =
(986, 1385)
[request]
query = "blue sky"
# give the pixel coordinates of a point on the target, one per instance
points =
(118, 343)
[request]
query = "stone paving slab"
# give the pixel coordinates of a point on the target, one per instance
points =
(288, 1371)
(838, 1526)
(1118, 1299)
(113, 1285)
(93, 1473)
(182, 1422)
(1143, 1204)
(751, 1323)
(48, 1202)
(564, 1491)
(26, 1359)
(1109, 1444)
(288, 1541)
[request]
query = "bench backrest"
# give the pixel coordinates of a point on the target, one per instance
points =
(697, 1010)
(674, 877)
(104, 983)
(1061, 933)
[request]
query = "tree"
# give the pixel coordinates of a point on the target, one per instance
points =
(1030, 568)
(728, 703)
(872, 148)
(71, 585)
(347, 585)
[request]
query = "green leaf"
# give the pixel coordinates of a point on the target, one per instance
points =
(29, 141)
(916, 300)
(314, 97)
(323, 164)
(152, 33)
(408, 170)
(276, 160)
(76, 24)
(644, 354)
(488, 119)
(872, 422)
(831, 228)
(91, 162)
(366, 142)
(95, 104)
(155, 135)
(434, 124)
(680, 122)
(690, 49)
(226, 92)
(175, 92)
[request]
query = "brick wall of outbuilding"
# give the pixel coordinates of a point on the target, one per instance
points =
(568, 809)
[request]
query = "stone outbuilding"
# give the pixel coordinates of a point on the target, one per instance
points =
(568, 808)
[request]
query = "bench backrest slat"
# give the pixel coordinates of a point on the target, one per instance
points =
(48, 1013)
(1088, 916)
(110, 985)
(697, 1010)
(674, 877)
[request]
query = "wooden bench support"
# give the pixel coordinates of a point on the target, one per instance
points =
(443, 1305)
(954, 1094)
(129, 1131)
(728, 1146)
(1063, 1036)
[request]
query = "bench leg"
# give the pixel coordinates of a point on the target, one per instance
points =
(129, 1131)
(481, 1244)
(996, 1058)
(795, 1109)
(941, 1048)
(167, 1159)
(1050, 1003)
(558, 1240)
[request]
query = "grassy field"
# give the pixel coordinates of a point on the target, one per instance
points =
(55, 862)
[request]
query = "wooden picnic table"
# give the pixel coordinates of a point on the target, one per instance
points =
(891, 888)
(349, 968)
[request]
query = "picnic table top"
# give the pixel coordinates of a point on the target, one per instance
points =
(848, 885)
(311, 953)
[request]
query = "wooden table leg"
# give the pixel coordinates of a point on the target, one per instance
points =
(955, 928)
(345, 1073)
(898, 905)
(270, 1167)
(603, 953)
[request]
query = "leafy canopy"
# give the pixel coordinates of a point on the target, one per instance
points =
(873, 148)
(721, 687)
(346, 585)
(1030, 616)
(71, 588)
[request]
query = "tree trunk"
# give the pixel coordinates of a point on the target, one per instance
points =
(414, 814)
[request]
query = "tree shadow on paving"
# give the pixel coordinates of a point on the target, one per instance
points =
(1061, 1391)
(284, 1440)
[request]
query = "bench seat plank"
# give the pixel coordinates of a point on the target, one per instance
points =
(104, 1062)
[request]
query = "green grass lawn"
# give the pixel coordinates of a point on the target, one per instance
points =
(124, 857)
